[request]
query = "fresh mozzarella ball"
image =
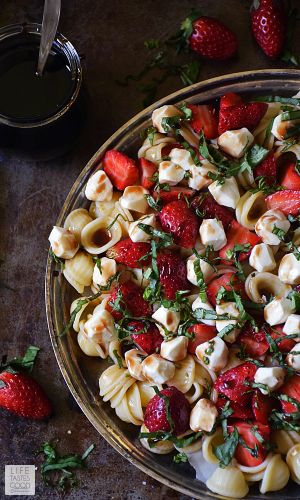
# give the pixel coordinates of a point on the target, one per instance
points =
(198, 304)
(214, 354)
(230, 309)
(164, 112)
(137, 234)
(212, 233)
(63, 243)
(203, 416)
(175, 349)
(289, 269)
(134, 198)
(292, 326)
(293, 358)
(266, 224)
(108, 269)
(206, 269)
(133, 360)
(278, 310)
(262, 258)
(170, 172)
(235, 142)
(157, 370)
(169, 319)
(272, 377)
(199, 175)
(226, 194)
(182, 158)
(99, 187)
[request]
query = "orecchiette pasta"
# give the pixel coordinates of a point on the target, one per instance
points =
(160, 448)
(293, 461)
(96, 238)
(152, 149)
(276, 475)
(249, 209)
(76, 221)
(229, 482)
(78, 271)
(260, 286)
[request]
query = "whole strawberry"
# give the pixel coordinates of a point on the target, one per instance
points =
(176, 419)
(19, 392)
(150, 341)
(172, 274)
(129, 253)
(210, 38)
(128, 297)
(268, 24)
(179, 220)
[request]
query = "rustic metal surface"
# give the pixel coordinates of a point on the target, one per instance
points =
(110, 35)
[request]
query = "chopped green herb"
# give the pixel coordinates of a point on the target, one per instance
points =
(151, 44)
(225, 452)
(56, 259)
(24, 363)
(118, 358)
(157, 233)
(180, 458)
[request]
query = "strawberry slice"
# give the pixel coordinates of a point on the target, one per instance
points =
(129, 253)
(212, 210)
(204, 118)
(232, 383)
(247, 115)
(175, 193)
(179, 220)
(228, 281)
(288, 201)
(128, 297)
(291, 389)
(150, 341)
(147, 170)
(202, 333)
(121, 169)
(230, 99)
(267, 169)
(166, 150)
(172, 273)
(243, 412)
(290, 179)
(252, 434)
(285, 345)
(238, 234)
(262, 407)
(255, 343)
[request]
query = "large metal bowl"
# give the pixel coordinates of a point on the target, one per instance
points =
(81, 373)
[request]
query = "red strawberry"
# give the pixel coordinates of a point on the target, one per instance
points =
(291, 389)
(121, 169)
(268, 24)
(150, 341)
(204, 118)
(288, 201)
(21, 394)
(255, 343)
(230, 99)
(147, 170)
(247, 115)
(228, 281)
(212, 210)
(175, 193)
(243, 412)
(238, 235)
(179, 220)
(212, 39)
(285, 345)
(290, 179)
(262, 407)
(232, 382)
(252, 434)
(166, 150)
(179, 409)
(129, 253)
(131, 299)
(202, 333)
(268, 169)
(172, 273)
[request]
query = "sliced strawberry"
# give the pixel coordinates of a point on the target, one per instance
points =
(234, 383)
(243, 412)
(267, 169)
(230, 99)
(202, 333)
(249, 432)
(129, 253)
(238, 235)
(289, 178)
(156, 417)
(147, 170)
(247, 115)
(285, 345)
(172, 274)
(262, 406)
(255, 343)
(228, 281)
(121, 169)
(204, 118)
(166, 150)
(150, 341)
(128, 297)
(291, 389)
(288, 201)
(210, 209)
(175, 193)
(179, 220)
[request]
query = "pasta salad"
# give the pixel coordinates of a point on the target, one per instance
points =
(187, 266)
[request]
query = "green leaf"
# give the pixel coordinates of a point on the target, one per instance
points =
(151, 44)
(155, 205)
(149, 133)
(157, 233)
(118, 358)
(189, 72)
(253, 157)
(180, 458)
(187, 112)
(290, 115)
(24, 363)
(294, 101)
(225, 452)
(265, 187)
(57, 260)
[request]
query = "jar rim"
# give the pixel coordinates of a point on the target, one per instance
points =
(62, 45)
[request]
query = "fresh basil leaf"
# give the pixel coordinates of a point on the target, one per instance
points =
(225, 452)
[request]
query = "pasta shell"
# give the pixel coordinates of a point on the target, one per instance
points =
(78, 271)
(260, 132)
(147, 392)
(76, 221)
(96, 238)
(293, 461)
(88, 346)
(191, 448)
(85, 310)
(160, 448)
(229, 482)
(104, 208)
(113, 348)
(135, 404)
(152, 150)
(194, 393)
(250, 208)
(258, 468)
(283, 441)
(211, 442)
(276, 475)
(246, 179)
(124, 218)
(184, 374)
(259, 285)
(189, 135)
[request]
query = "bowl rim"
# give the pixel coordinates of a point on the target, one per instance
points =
(211, 83)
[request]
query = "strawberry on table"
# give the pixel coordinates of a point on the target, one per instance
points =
(128, 297)
(147, 170)
(150, 341)
(268, 24)
(267, 169)
(246, 114)
(130, 253)
(157, 418)
(228, 281)
(235, 383)
(238, 235)
(210, 209)
(203, 333)
(251, 435)
(292, 389)
(179, 220)
(289, 177)
(121, 169)
(172, 274)
(288, 201)
(175, 193)
(204, 118)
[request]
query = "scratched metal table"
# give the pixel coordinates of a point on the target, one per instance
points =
(109, 35)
